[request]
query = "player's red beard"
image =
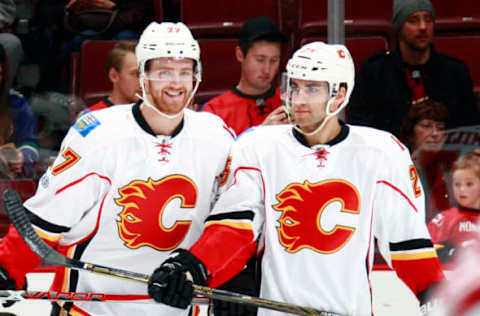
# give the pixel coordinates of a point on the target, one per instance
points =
(170, 100)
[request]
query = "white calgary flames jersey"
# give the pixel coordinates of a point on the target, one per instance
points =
(119, 196)
(318, 209)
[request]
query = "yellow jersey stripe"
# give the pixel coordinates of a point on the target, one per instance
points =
(414, 256)
(237, 225)
(48, 237)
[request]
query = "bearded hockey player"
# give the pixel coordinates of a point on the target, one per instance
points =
(316, 194)
(131, 184)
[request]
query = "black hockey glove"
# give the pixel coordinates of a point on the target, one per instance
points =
(446, 252)
(428, 303)
(172, 282)
(6, 283)
(222, 308)
(243, 283)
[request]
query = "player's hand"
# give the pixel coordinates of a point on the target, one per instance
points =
(7, 283)
(276, 117)
(172, 282)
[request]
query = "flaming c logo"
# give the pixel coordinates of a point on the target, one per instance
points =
(302, 206)
(143, 205)
(226, 171)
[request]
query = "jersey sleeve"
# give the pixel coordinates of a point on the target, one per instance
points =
(399, 222)
(75, 184)
(231, 231)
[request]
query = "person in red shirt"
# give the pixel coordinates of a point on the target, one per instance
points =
(458, 227)
(122, 71)
(254, 100)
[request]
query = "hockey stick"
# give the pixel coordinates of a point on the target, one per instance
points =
(19, 218)
(9, 295)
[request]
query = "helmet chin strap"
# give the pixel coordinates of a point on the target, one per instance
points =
(146, 101)
(329, 114)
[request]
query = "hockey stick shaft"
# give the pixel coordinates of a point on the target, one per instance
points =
(8, 295)
(19, 218)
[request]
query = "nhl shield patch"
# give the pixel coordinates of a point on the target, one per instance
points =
(86, 123)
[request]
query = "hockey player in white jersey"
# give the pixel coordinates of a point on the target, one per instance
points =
(131, 184)
(315, 194)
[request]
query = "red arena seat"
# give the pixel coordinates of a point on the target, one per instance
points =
(360, 47)
(208, 18)
(25, 188)
(93, 82)
(456, 15)
(464, 48)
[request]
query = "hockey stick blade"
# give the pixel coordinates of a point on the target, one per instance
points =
(19, 218)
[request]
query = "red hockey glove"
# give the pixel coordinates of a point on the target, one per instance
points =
(6, 283)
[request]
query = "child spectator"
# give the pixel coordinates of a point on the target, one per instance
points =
(458, 226)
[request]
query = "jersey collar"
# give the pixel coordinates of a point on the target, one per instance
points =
(467, 209)
(270, 93)
(106, 100)
(137, 114)
(340, 137)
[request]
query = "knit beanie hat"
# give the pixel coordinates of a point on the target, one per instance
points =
(403, 8)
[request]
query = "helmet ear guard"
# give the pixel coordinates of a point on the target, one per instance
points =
(318, 61)
(170, 40)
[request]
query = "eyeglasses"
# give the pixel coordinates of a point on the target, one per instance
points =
(170, 75)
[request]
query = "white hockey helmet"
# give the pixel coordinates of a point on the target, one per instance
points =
(319, 61)
(167, 40)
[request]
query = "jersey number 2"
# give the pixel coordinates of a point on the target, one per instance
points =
(414, 177)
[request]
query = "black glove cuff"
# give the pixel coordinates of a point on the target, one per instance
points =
(193, 265)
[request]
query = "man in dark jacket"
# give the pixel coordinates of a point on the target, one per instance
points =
(389, 82)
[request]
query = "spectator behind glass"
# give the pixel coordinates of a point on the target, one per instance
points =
(122, 70)
(388, 82)
(422, 131)
(21, 147)
(254, 100)
(8, 153)
(52, 44)
(141, 11)
(458, 226)
(10, 42)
